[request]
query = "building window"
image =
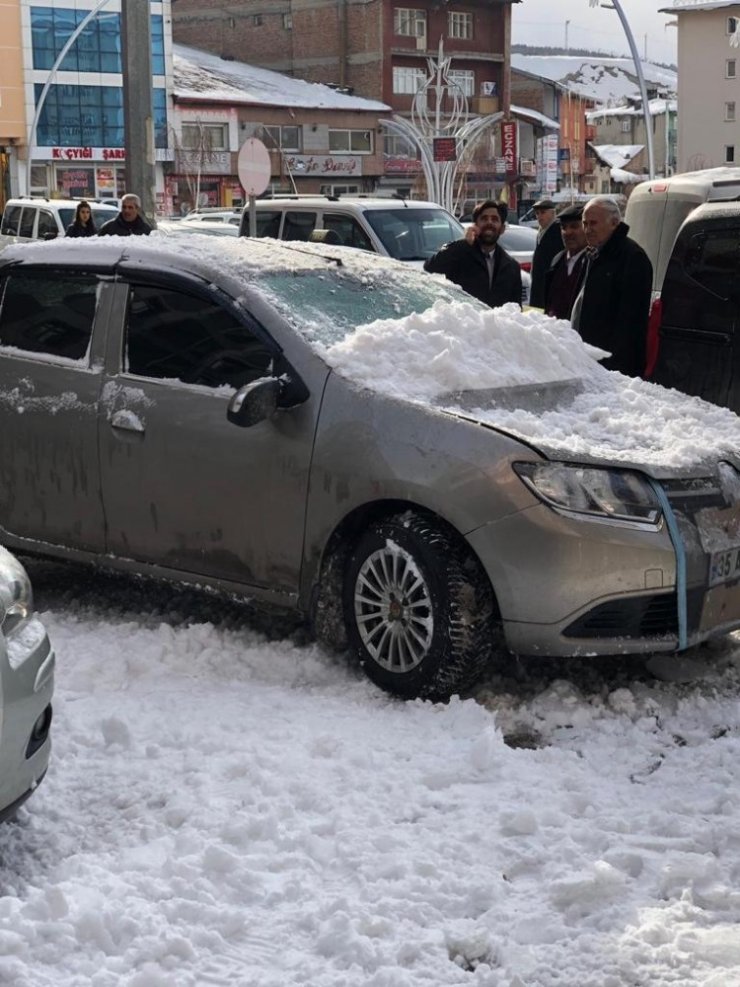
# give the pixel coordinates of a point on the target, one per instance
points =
(730, 112)
(205, 136)
(399, 147)
(626, 126)
(731, 25)
(286, 138)
(91, 116)
(460, 25)
(409, 22)
(729, 154)
(407, 81)
(257, 20)
(288, 22)
(351, 141)
(464, 78)
(730, 68)
(98, 48)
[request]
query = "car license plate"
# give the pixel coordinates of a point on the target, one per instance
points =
(724, 566)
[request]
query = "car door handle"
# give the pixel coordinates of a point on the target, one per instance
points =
(127, 421)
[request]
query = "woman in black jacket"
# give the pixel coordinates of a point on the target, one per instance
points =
(84, 224)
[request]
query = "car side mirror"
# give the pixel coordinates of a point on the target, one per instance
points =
(255, 402)
(50, 235)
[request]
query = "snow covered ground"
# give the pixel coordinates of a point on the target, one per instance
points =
(230, 805)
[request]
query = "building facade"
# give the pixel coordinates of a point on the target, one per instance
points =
(78, 146)
(708, 83)
(12, 103)
(377, 49)
(615, 125)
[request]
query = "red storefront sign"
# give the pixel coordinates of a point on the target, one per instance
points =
(444, 148)
(87, 153)
(509, 142)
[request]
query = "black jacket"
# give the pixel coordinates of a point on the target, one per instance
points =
(557, 269)
(550, 245)
(119, 227)
(77, 229)
(465, 264)
(616, 303)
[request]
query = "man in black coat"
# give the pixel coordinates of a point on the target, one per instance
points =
(613, 308)
(549, 243)
(564, 280)
(478, 263)
(128, 222)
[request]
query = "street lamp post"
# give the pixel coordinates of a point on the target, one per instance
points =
(616, 5)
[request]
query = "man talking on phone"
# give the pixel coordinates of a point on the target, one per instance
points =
(478, 263)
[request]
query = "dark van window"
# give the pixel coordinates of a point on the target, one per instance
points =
(27, 221)
(349, 231)
(48, 315)
(175, 335)
(47, 226)
(700, 284)
(268, 223)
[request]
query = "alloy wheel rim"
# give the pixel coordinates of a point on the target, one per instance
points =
(393, 609)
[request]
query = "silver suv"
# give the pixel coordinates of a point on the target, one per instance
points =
(46, 219)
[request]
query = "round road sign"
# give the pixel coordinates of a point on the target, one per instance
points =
(253, 166)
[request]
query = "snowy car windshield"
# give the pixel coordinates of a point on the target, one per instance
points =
(413, 234)
(327, 306)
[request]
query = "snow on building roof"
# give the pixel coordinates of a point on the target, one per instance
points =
(684, 6)
(535, 117)
(657, 108)
(617, 155)
(201, 76)
(604, 80)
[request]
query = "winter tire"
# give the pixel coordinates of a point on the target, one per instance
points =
(418, 608)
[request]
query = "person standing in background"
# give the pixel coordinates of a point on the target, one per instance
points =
(549, 243)
(564, 279)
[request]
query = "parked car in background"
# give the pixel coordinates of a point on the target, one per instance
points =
(26, 687)
(406, 229)
(46, 219)
(215, 228)
(692, 248)
(212, 215)
(234, 432)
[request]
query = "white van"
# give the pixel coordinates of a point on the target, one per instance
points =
(402, 228)
(656, 210)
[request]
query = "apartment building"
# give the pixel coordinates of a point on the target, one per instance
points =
(708, 82)
(12, 107)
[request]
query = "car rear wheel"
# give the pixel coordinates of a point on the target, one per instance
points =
(418, 608)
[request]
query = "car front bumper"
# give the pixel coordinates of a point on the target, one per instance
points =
(27, 663)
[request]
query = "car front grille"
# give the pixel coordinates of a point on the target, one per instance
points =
(633, 617)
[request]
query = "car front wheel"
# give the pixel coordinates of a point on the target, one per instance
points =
(418, 608)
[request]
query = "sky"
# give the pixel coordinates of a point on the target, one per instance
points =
(543, 22)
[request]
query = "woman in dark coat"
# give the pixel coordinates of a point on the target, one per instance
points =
(84, 224)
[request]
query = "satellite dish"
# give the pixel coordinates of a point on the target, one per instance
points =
(253, 166)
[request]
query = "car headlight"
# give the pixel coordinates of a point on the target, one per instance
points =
(16, 597)
(621, 495)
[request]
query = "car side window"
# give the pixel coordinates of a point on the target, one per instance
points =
(27, 220)
(176, 335)
(299, 225)
(700, 287)
(47, 226)
(268, 223)
(11, 220)
(49, 315)
(349, 231)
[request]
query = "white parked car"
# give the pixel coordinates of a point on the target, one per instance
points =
(26, 686)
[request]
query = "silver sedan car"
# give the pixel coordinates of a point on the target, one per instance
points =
(26, 686)
(201, 410)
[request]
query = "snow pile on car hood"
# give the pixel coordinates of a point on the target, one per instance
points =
(457, 356)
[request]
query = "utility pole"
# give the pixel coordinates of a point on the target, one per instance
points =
(567, 46)
(136, 47)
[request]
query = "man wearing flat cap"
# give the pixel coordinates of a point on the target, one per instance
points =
(549, 243)
(564, 279)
